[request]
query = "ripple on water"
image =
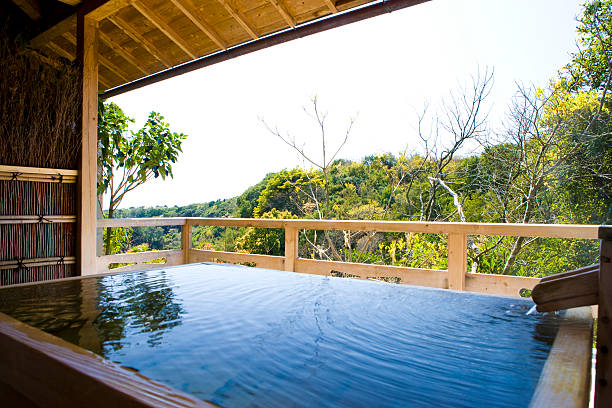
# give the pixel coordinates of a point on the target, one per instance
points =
(241, 336)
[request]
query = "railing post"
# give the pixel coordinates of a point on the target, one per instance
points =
(186, 240)
(291, 247)
(457, 260)
(603, 367)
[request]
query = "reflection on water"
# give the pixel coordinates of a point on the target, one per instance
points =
(97, 314)
(140, 302)
(249, 337)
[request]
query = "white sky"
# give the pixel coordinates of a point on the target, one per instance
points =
(381, 70)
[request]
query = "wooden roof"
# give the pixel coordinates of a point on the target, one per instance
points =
(139, 38)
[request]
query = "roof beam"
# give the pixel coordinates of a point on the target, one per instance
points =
(282, 10)
(123, 53)
(240, 18)
(113, 68)
(105, 9)
(140, 39)
(331, 4)
(159, 22)
(30, 7)
(60, 51)
(200, 23)
(102, 60)
(60, 28)
(103, 81)
(302, 30)
(71, 2)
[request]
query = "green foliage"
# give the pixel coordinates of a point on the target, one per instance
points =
(148, 152)
(590, 68)
(267, 241)
(119, 240)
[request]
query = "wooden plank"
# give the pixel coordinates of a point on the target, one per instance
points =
(88, 172)
(498, 284)
(126, 55)
(28, 263)
(457, 261)
(565, 378)
(412, 276)
(66, 25)
(30, 7)
(163, 26)
(331, 5)
(102, 60)
(40, 179)
(567, 291)
(60, 51)
(107, 8)
(71, 2)
(38, 171)
(190, 12)
(173, 257)
(104, 82)
(140, 39)
(54, 373)
(570, 273)
(603, 368)
(291, 248)
(240, 18)
(468, 228)
(280, 6)
(35, 219)
(20, 173)
(186, 240)
(108, 64)
(260, 261)
(140, 222)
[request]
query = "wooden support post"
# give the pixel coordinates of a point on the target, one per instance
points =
(87, 53)
(603, 368)
(186, 239)
(457, 261)
(291, 248)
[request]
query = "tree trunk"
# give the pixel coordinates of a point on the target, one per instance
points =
(516, 248)
(107, 243)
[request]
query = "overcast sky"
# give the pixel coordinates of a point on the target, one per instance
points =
(380, 71)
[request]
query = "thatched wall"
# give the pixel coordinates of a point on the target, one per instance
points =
(39, 127)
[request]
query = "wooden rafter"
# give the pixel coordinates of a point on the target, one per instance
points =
(189, 12)
(140, 39)
(71, 2)
(106, 9)
(331, 4)
(60, 51)
(30, 7)
(102, 60)
(164, 27)
(240, 18)
(282, 10)
(68, 24)
(103, 81)
(126, 55)
(106, 63)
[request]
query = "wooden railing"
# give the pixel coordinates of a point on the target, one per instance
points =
(456, 277)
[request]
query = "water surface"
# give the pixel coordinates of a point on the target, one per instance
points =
(241, 336)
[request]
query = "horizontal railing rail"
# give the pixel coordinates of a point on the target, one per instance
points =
(456, 277)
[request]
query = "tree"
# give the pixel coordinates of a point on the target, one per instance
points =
(463, 118)
(324, 164)
(128, 159)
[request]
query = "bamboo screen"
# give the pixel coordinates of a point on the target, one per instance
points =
(39, 128)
